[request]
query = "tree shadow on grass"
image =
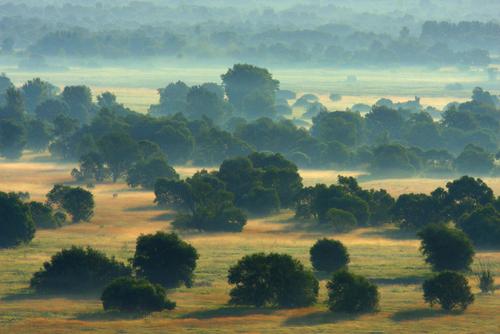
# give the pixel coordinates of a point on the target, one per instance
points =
(144, 208)
(405, 280)
(391, 233)
(319, 318)
(168, 216)
(28, 294)
(110, 316)
(420, 313)
(224, 312)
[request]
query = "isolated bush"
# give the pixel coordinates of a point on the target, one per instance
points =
(163, 258)
(272, 280)
(130, 294)
(486, 279)
(446, 248)
(448, 289)
(351, 293)
(78, 270)
(16, 223)
(43, 216)
(329, 255)
(340, 220)
(78, 202)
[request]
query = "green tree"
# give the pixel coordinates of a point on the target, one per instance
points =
(351, 293)
(145, 172)
(446, 248)
(448, 289)
(16, 223)
(329, 255)
(12, 139)
(165, 259)
(119, 151)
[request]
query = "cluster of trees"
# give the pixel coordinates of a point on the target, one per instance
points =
(161, 261)
(258, 184)
(207, 124)
(22, 217)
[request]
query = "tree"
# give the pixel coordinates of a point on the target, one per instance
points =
(466, 194)
(5, 84)
(414, 211)
(79, 203)
(49, 109)
(339, 126)
(12, 139)
(119, 151)
(78, 270)
(79, 100)
(446, 248)
(448, 289)
(474, 160)
(172, 99)
(14, 107)
(340, 220)
(16, 223)
(38, 135)
(145, 172)
(482, 226)
(204, 103)
(165, 259)
(37, 91)
(43, 216)
(393, 160)
(329, 255)
(135, 295)
(351, 293)
(272, 279)
(248, 86)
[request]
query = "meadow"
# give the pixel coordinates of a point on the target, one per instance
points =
(389, 258)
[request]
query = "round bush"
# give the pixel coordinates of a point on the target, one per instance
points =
(43, 217)
(351, 293)
(273, 280)
(341, 220)
(78, 270)
(163, 258)
(448, 289)
(16, 224)
(446, 248)
(130, 294)
(329, 255)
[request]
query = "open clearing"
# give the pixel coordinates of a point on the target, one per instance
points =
(384, 255)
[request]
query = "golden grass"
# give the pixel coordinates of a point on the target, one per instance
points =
(387, 257)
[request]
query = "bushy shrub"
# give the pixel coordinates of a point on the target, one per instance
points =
(163, 258)
(448, 289)
(78, 270)
(329, 255)
(130, 294)
(78, 202)
(351, 293)
(273, 280)
(446, 248)
(43, 216)
(340, 220)
(16, 223)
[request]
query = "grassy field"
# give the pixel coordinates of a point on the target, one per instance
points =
(136, 85)
(388, 258)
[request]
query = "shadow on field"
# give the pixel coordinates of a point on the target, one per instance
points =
(420, 313)
(32, 295)
(319, 318)
(393, 233)
(168, 216)
(405, 280)
(143, 208)
(110, 316)
(224, 312)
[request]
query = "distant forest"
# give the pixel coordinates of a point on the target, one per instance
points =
(331, 33)
(247, 112)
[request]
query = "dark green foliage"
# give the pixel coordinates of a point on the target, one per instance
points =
(49, 109)
(37, 91)
(448, 289)
(414, 211)
(145, 172)
(446, 248)
(261, 200)
(119, 151)
(394, 161)
(482, 226)
(223, 217)
(43, 216)
(38, 135)
(134, 295)
(340, 220)
(351, 293)
(163, 258)
(474, 160)
(466, 194)
(16, 223)
(79, 100)
(78, 202)
(12, 139)
(486, 279)
(275, 280)
(343, 127)
(78, 270)
(329, 255)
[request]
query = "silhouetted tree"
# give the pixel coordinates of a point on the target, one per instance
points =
(448, 289)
